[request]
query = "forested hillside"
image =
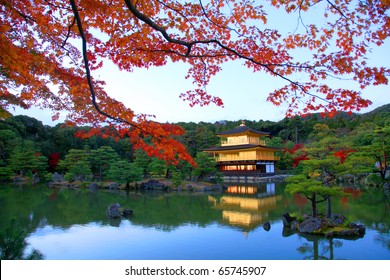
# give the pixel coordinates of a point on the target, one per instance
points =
(289, 130)
(28, 147)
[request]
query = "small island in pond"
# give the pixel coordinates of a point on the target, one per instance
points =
(337, 226)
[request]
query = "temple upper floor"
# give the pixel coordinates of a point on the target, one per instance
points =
(242, 135)
(241, 140)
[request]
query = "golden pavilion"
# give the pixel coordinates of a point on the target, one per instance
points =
(243, 151)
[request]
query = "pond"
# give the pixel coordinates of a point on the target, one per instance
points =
(72, 224)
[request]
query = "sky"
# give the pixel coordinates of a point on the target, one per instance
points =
(156, 90)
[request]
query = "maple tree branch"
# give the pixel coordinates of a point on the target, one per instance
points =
(180, 13)
(68, 33)
(221, 26)
(213, 22)
(299, 20)
(200, 56)
(155, 26)
(147, 20)
(89, 78)
(87, 69)
(64, 7)
(337, 9)
(26, 17)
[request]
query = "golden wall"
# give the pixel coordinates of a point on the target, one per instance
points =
(247, 155)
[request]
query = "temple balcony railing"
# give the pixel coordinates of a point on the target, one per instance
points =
(240, 158)
(232, 142)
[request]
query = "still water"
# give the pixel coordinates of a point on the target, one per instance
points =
(72, 224)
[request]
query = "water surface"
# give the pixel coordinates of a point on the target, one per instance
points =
(72, 224)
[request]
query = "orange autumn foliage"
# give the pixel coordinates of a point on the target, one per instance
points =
(49, 50)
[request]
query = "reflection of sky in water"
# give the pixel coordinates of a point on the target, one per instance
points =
(95, 241)
(128, 242)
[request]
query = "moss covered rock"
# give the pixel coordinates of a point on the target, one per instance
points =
(329, 227)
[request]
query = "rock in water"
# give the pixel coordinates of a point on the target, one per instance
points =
(57, 177)
(312, 225)
(266, 226)
(287, 219)
(93, 186)
(127, 212)
(113, 210)
(153, 185)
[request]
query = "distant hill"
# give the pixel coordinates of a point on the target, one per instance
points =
(381, 109)
(379, 116)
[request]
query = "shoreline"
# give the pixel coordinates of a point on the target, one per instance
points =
(163, 184)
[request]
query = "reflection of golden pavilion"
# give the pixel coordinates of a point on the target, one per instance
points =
(251, 204)
(242, 189)
(246, 211)
(244, 219)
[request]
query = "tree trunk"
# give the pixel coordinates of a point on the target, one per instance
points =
(382, 167)
(314, 205)
(331, 253)
(315, 249)
(168, 174)
(329, 208)
(199, 177)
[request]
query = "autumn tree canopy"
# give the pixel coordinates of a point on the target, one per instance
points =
(49, 50)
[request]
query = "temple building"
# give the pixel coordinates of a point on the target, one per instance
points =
(243, 151)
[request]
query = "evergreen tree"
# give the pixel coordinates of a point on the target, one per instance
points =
(157, 167)
(206, 166)
(5, 171)
(77, 165)
(380, 149)
(27, 160)
(101, 159)
(8, 141)
(13, 245)
(326, 159)
(312, 189)
(142, 160)
(125, 172)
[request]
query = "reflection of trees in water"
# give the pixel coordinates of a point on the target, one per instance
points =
(383, 240)
(370, 206)
(37, 206)
(319, 249)
(383, 237)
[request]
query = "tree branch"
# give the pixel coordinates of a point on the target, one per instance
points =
(88, 71)
(324, 198)
(68, 33)
(147, 20)
(336, 8)
(156, 27)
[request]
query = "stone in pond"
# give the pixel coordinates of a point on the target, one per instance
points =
(113, 210)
